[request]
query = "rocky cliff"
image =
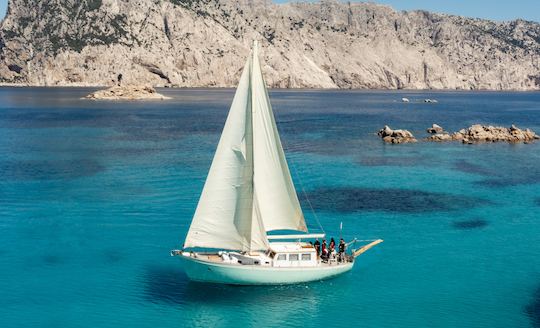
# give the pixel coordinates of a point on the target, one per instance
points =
(329, 44)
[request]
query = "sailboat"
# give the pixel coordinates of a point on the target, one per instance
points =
(248, 196)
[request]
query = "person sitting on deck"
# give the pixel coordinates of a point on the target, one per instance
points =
(342, 246)
(317, 247)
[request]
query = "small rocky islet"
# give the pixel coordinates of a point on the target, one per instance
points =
(396, 136)
(476, 133)
(127, 92)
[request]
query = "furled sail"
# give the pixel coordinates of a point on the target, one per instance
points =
(276, 196)
(224, 217)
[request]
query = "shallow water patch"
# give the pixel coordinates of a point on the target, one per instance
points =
(499, 173)
(391, 161)
(468, 167)
(470, 224)
(351, 199)
(53, 259)
(523, 178)
(113, 256)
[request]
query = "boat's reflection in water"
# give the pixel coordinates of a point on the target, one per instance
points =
(261, 306)
(219, 305)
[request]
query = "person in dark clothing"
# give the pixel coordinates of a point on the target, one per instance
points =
(332, 250)
(317, 247)
(324, 250)
(342, 247)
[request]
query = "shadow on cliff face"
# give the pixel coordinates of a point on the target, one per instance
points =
(49, 169)
(351, 199)
(470, 224)
(533, 309)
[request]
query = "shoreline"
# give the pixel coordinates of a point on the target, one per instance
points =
(22, 86)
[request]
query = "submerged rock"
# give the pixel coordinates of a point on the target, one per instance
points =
(396, 136)
(435, 129)
(128, 92)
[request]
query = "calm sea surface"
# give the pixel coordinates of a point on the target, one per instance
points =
(94, 194)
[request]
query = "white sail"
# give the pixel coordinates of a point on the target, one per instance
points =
(249, 189)
(226, 217)
(276, 197)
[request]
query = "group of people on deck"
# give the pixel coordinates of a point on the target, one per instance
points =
(328, 252)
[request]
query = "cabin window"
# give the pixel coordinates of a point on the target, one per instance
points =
(282, 257)
(306, 257)
(293, 257)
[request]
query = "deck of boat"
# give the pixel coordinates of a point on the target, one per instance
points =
(216, 258)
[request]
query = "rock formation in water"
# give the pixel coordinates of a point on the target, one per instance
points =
(435, 128)
(487, 133)
(482, 133)
(327, 44)
(395, 136)
(442, 136)
(127, 92)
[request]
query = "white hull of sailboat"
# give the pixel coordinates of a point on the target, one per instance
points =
(235, 274)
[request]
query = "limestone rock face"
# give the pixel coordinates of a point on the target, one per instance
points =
(326, 44)
(129, 92)
(395, 136)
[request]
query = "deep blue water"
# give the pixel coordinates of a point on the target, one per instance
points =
(93, 195)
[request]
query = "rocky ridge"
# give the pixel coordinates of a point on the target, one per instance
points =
(127, 92)
(329, 44)
(487, 133)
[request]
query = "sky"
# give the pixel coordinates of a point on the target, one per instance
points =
(490, 9)
(3, 8)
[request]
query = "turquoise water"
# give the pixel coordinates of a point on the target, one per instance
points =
(93, 195)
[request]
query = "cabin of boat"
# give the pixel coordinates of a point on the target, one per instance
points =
(280, 254)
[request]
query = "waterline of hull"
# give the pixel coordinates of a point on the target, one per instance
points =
(203, 271)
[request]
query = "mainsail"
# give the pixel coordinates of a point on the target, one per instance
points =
(249, 189)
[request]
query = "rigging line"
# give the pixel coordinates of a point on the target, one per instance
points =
(299, 179)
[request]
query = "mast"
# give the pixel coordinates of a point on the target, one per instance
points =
(249, 190)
